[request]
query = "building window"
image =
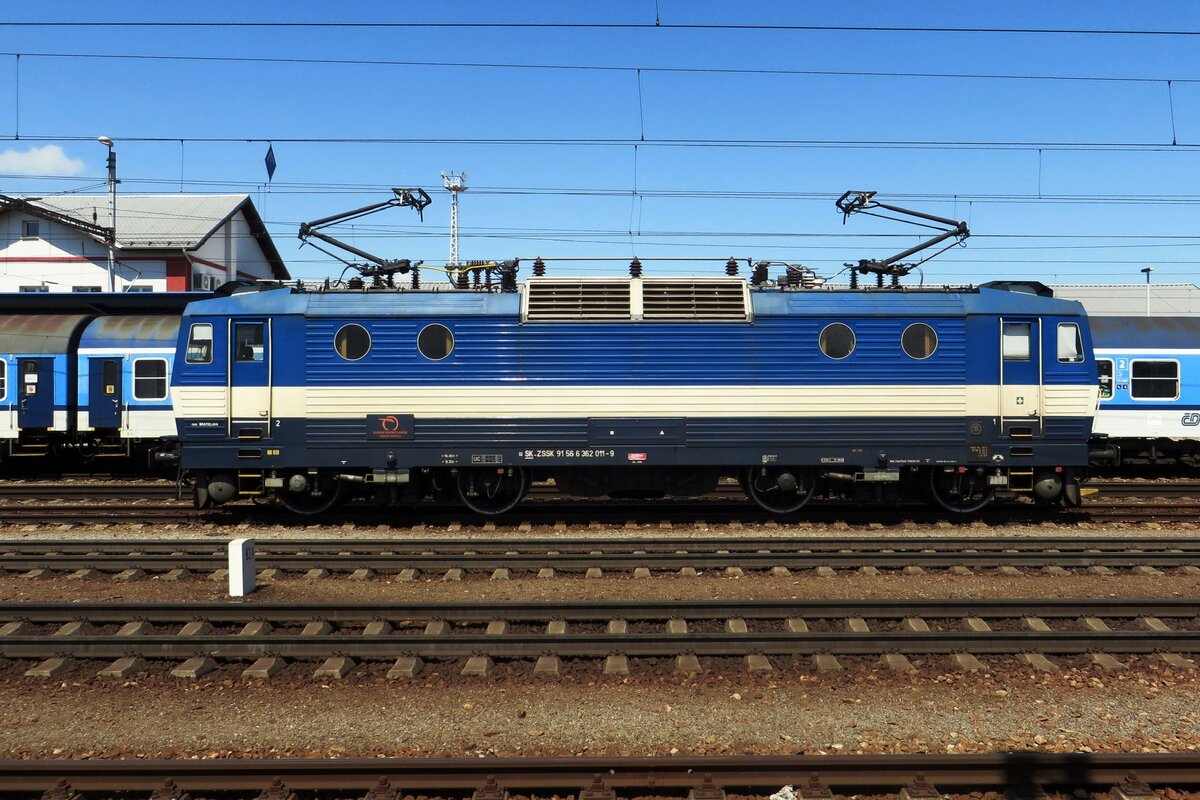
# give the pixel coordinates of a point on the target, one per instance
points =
(1154, 380)
(85, 288)
(1016, 340)
(435, 342)
(1070, 343)
(919, 341)
(31, 229)
(40, 288)
(1104, 368)
(150, 379)
(837, 341)
(140, 287)
(352, 342)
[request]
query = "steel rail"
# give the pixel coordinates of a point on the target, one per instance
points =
(599, 645)
(600, 611)
(734, 543)
(345, 563)
(17, 640)
(628, 776)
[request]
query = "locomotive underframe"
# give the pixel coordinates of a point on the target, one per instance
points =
(308, 478)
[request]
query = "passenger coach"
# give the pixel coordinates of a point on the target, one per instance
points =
(635, 387)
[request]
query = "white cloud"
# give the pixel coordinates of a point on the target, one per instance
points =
(48, 160)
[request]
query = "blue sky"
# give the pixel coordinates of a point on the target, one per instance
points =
(1061, 179)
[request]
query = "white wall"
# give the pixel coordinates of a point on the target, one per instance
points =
(63, 258)
(234, 238)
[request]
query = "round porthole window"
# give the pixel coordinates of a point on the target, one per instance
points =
(435, 342)
(837, 340)
(919, 340)
(352, 342)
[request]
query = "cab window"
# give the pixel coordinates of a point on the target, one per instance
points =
(249, 342)
(1016, 341)
(1070, 343)
(200, 343)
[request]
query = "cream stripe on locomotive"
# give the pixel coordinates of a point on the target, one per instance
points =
(460, 402)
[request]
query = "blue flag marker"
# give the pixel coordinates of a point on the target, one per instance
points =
(270, 162)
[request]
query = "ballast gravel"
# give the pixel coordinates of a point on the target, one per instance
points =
(653, 712)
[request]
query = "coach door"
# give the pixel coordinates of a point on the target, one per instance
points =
(1021, 377)
(104, 392)
(250, 378)
(35, 398)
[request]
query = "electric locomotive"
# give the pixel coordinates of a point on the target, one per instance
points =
(634, 387)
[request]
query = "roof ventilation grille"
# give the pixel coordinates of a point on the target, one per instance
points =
(549, 299)
(694, 298)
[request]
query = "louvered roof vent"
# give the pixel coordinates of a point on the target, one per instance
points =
(635, 299)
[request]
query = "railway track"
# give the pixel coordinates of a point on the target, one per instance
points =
(642, 557)
(920, 777)
(199, 637)
(550, 512)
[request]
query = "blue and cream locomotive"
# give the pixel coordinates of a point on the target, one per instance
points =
(641, 386)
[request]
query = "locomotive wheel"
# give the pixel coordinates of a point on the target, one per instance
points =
(779, 490)
(492, 491)
(959, 492)
(308, 504)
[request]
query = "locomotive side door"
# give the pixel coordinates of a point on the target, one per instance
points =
(104, 392)
(1021, 377)
(35, 393)
(250, 377)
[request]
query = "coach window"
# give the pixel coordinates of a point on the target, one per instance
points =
(352, 342)
(1070, 343)
(3, 379)
(919, 341)
(435, 342)
(1016, 341)
(837, 340)
(249, 344)
(200, 344)
(150, 379)
(1154, 380)
(1104, 368)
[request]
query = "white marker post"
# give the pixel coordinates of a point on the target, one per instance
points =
(241, 567)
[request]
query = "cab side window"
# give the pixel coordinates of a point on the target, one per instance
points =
(200, 344)
(1070, 343)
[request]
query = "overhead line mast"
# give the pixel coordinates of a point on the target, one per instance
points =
(454, 183)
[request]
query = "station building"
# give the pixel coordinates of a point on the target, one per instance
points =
(164, 243)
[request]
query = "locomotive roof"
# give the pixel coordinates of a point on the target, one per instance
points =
(766, 302)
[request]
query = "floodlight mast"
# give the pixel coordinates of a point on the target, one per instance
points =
(415, 198)
(855, 202)
(454, 182)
